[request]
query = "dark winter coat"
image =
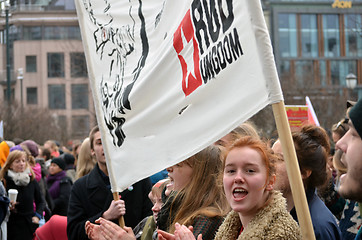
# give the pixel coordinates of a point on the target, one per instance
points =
(20, 224)
(60, 201)
(90, 197)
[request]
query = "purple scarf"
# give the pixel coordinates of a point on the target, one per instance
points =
(54, 181)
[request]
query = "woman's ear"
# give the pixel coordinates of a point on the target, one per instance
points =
(270, 185)
(306, 173)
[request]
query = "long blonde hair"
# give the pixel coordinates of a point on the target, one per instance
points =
(16, 154)
(86, 161)
(204, 194)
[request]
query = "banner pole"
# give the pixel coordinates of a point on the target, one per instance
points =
(295, 179)
(121, 219)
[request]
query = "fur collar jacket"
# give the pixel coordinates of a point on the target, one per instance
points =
(271, 222)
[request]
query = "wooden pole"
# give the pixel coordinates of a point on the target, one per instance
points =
(295, 179)
(121, 219)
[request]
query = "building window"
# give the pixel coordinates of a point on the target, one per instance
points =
(80, 125)
(55, 65)
(30, 63)
(78, 65)
(55, 32)
(323, 73)
(304, 74)
(80, 96)
(31, 95)
(331, 35)
(309, 35)
(56, 96)
(32, 33)
(353, 35)
(340, 69)
(287, 35)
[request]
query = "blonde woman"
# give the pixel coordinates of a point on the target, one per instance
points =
(17, 174)
(86, 161)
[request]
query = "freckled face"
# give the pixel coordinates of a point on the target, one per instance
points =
(244, 180)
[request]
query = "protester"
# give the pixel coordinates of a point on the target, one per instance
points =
(91, 197)
(4, 211)
(145, 230)
(197, 199)
(53, 148)
(312, 148)
(54, 229)
(351, 145)
(70, 167)
(75, 150)
(16, 174)
(258, 212)
(4, 151)
(86, 161)
(59, 186)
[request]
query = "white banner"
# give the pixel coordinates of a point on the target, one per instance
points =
(171, 77)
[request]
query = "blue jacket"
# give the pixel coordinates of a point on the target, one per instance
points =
(324, 223)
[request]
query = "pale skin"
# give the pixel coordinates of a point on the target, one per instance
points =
(114, 231)
(351, 181)
(117, 207)
(246, 187)
(179, 174)
(282, 181)
(19, 165)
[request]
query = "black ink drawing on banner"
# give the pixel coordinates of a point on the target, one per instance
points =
(123, 51)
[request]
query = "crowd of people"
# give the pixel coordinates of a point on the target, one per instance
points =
(236, 188)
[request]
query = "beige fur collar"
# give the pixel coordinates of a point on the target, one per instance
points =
(271, 222)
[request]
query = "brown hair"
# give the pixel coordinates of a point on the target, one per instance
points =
(16, 154)
(312, 148)
(203, 195)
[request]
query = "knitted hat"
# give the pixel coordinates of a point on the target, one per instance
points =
(60, 162)
(16, 147)
(356, 117)
(68, 158)
(32, 146)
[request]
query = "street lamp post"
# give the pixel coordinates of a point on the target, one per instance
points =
(351, 82)
(21, 77)
(5, 5)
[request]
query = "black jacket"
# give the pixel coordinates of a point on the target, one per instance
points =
(90, 197)
(20, 225)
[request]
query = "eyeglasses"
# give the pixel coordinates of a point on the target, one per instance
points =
(340, 124)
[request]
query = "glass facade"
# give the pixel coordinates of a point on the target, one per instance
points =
(56, 96)
(309, 35)
(31, 95)
(317, 49)
(80, 95)
(30, 62)
(78, 65)
(331, 35)
(287, 35)
(55, 65)
(353, 34)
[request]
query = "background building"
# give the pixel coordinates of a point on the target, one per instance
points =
(45, 42)
(316, 45)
